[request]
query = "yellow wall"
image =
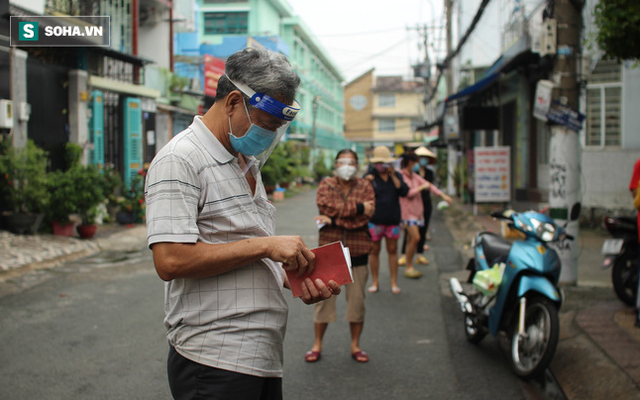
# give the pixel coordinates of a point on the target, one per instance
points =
(358, 122)
(408, 107)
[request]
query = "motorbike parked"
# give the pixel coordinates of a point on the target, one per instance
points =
(515, 289)
(621, 253)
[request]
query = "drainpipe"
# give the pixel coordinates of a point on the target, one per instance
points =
(171, 35)
(135, 20)
(134, 27)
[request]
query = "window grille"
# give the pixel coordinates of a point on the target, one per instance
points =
(604, 105)
(226, 23)
(387, 125)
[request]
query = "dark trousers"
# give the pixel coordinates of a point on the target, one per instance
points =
(189, 380)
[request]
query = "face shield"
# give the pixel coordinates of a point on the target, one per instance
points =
(273, 107)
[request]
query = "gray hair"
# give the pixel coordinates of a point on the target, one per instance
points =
(264, 71)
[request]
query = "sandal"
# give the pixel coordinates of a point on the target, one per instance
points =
(373, 289)
(395, 290)
(422, 260)
(360, 356)
(413, 274)
(312, 356)
(402, 261)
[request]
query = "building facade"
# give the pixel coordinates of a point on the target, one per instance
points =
(224, 27)
(384, 110)
(499, 107)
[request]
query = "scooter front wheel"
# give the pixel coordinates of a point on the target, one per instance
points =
(475, 333)
(532, 352)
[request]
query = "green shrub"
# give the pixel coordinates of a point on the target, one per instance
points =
(23, 178)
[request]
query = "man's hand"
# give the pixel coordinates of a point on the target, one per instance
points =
(293, 254)
(369, 177)
(314, 293)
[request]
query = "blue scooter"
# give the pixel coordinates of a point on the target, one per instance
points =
(515, 289)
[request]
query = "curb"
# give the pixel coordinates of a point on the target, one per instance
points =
(20, 254)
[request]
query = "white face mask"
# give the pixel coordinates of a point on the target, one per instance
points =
(346, 172)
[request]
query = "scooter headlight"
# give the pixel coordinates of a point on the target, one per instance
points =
(544, 230)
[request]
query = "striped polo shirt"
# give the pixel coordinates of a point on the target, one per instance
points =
(196, 191)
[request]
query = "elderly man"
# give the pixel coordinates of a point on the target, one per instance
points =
(211, 231)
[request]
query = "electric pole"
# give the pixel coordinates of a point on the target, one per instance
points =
(450, 115)
(564, 162)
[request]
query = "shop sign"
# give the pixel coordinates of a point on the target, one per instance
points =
(492, 174)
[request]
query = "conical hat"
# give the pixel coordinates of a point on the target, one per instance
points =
(424, 152)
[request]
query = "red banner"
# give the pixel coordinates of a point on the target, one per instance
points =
(213, 70)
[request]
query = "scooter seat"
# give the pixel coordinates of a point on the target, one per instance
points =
(494, 247)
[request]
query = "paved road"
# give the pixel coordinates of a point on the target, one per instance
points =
(92, 329)
(415, 340)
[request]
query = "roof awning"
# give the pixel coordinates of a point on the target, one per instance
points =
(518, 54)
(476, 87)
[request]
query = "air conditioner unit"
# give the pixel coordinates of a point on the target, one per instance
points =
(6, 114)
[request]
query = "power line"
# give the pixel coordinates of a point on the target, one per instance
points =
(445, 63)
(360, 33)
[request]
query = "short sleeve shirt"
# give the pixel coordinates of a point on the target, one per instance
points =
(196, 191)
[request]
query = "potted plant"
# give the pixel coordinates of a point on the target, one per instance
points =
(132, 205)
(88, 184)
(112, 189)
(77, 190)
(61, 187)
(23, 186)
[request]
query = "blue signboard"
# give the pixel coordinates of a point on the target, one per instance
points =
(563, 115)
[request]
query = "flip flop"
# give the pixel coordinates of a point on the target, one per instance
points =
(373, 289)
(360, 356)
(413, 274)
(312, 356)
(396, 290)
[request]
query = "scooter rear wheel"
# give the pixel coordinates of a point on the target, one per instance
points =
(532, 353)
(624, 276)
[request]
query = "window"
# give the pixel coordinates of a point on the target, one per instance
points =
(604, 105)
(387, 100)
(387, 125)
(225, 22)
(415, 124)
(224, 1)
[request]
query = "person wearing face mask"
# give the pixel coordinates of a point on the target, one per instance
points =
(346, 203)
(412, 208)
(426, 158)
(385, 223)
(211, 230)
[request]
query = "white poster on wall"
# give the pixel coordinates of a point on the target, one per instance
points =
(492, 174)
(542, 101)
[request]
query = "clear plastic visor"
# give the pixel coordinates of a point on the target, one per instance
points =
(274, 108)
(262, 158)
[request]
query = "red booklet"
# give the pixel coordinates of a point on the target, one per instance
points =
(333, 262)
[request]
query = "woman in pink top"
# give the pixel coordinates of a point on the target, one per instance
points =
(412, 208)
